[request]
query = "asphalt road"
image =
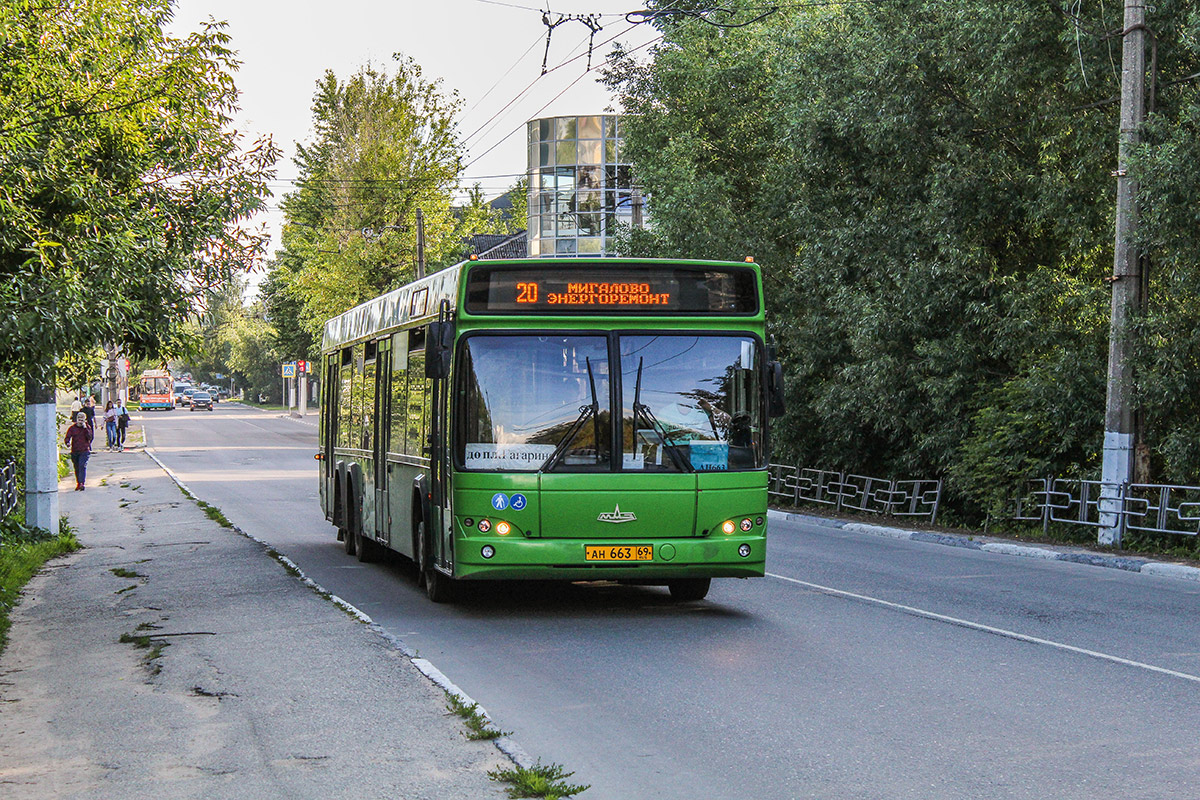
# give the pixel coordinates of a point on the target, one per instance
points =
(862, 667)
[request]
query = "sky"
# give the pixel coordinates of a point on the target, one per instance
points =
(489, 51)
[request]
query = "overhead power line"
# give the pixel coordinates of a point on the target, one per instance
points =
(560, 94)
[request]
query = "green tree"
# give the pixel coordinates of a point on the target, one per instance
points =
(253, 360)
(928, 188)
(125, 190)
(384, 147)
(125, 193)
(210, 336)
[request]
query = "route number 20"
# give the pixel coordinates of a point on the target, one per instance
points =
(527, 292)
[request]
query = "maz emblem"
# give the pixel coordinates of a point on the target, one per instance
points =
(617, 515)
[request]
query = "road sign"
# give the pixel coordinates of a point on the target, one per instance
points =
(289, 370)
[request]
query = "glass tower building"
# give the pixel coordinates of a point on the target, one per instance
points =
(579, 190)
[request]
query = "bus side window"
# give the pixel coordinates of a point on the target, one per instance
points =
(399, 389)
(354, 434)
(368, 396)
(345, 398)
(418, 395)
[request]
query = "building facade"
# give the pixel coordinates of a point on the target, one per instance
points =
(580, 191)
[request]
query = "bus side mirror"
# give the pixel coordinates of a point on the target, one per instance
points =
(438, 346)
(776, 404)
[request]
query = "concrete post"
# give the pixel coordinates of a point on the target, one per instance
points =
(41, 456)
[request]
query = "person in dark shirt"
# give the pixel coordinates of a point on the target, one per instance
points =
(122, 424)
(79, 439)
(89, 411)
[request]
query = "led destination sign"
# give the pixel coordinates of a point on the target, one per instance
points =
(652, 289)
(594, 294)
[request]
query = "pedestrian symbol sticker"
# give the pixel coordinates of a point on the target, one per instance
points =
(518, 502)
(499, 501)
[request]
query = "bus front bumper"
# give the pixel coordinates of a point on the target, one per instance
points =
(566, 559)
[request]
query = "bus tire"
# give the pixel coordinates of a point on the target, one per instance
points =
(364, 548)
(685, 590)
(439, 587)
(350, 529)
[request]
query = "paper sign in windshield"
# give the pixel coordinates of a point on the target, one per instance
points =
(709, 456)
(524, 457)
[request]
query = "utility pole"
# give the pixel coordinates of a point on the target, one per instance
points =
(420, 244)
(1126, 282)
(636, 201)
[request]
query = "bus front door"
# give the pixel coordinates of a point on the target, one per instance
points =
(383, 416)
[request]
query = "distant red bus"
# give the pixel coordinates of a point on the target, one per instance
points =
(156, 390)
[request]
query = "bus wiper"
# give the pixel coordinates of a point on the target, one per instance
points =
(585, 412)
(672, 448)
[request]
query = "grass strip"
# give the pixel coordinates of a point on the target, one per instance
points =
(23, 551)
(478, 726)
(547, 781)
(211, 511)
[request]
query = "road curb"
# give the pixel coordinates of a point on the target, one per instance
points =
(505, 744)
(1140, 565)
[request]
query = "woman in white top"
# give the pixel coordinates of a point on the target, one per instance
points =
(110, 424)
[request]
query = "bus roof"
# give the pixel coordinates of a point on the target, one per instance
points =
(419, 301)
(410, 303)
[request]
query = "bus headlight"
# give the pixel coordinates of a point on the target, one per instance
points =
(744, 551)
(727, 526)
(747, 524)
(488, 551)
(484, 526)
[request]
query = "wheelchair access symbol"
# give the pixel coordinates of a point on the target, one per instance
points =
(499, 501)
(518, 502)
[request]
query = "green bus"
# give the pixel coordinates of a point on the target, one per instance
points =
(576, 419)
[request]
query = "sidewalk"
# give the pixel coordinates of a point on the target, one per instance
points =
(250, 686)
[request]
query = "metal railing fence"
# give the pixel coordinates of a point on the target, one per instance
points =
(1142, 507)
(9, 493)
(792, 485)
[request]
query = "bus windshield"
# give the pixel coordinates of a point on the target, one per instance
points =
(690, 403)
(531, 400)
(155, 385)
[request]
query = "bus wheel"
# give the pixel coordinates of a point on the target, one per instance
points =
(439, 587)
(349, 539)
(687, 589)
(364, 548)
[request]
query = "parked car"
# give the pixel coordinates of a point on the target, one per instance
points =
(201, 401)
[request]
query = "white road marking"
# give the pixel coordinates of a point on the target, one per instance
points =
(1021, 637)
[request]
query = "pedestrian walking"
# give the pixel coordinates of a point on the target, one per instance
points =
(110, 425)
(89, 411)
(79, 439)
(76, 407)
(122, 425)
